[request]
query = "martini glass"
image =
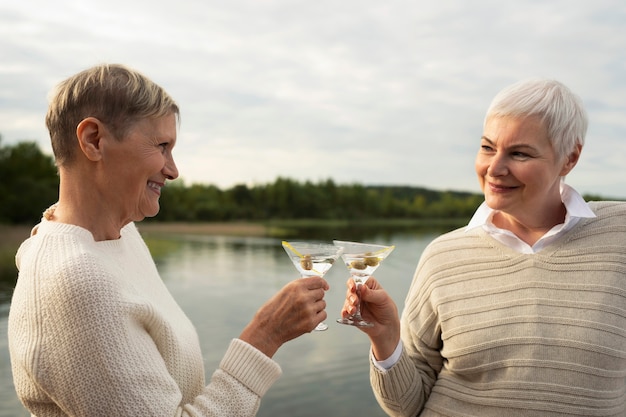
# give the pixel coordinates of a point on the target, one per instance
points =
(362, 259)
(312, 259)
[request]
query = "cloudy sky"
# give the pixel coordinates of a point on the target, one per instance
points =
(360, 91)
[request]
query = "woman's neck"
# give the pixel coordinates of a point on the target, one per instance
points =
(82, 205)
(532, 229)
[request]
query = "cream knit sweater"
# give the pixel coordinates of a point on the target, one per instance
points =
(93, 331)
(489, 332)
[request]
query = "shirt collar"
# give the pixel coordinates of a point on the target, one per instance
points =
(575, 206)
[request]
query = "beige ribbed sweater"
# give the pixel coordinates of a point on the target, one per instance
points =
(489, 332)
(93, 331)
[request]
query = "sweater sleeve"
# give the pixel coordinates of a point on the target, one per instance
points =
(244, 376)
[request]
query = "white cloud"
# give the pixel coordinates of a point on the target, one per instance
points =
(357, 91)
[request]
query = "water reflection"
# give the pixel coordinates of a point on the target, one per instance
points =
(221, 281)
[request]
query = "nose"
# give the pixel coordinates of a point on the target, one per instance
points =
(170, 170)
(497, 166)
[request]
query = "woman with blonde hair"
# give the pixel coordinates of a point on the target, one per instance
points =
(93, 331)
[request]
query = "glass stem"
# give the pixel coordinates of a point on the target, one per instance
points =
(357, 314)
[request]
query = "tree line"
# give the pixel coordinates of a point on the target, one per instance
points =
(30, 185)
(286, 199)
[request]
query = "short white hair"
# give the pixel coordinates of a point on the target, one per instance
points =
(561, 111)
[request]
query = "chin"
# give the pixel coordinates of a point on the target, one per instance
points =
(150, 214)
(495, 203)
(149, 210)
(142, 216)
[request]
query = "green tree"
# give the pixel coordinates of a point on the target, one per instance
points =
(30, 183)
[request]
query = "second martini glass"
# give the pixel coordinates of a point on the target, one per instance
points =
(361, 259)
(313, 259)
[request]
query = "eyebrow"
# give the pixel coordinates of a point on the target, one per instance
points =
(515, 146)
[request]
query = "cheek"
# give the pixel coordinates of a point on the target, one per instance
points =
(480, 166)
(529, 174)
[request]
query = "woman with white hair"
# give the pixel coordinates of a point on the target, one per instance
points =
(523, 311)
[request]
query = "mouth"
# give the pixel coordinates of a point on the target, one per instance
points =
(155, 186)
(499, 188)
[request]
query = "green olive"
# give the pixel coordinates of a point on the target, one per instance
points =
(371, 260)
(306, 263)
(358, 264)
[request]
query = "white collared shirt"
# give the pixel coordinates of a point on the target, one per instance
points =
(576, 208)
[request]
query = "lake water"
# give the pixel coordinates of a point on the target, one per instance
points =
(221, 281)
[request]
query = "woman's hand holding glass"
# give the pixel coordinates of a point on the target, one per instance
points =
(377, 307)
(296, 309)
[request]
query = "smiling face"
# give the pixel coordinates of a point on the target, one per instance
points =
(139, 165)
(519, 171)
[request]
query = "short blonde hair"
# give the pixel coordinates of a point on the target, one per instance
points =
(114, 94)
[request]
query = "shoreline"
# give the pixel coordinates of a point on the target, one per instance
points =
(218, 228)
(15, 234)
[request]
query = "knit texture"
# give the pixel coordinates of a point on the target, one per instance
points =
(93, 331)
(489, 332)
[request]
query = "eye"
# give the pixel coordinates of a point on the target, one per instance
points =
(163, 146)
(520, 155)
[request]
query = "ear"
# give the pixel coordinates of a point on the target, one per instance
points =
(90, 132)
(571, 160)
